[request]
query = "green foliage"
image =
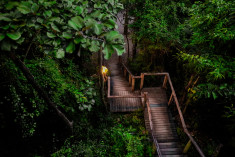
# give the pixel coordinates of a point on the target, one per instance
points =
(55, 26)
(230, 111)
(214, 66)
(210, 90)
(125, 137)
(63, 81)
(211, 23)
(159, 21)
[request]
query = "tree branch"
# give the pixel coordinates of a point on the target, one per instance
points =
(38, 88)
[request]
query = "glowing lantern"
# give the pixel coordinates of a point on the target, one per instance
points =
(104, 70)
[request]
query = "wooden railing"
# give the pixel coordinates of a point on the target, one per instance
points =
(130, 76)
(146, 102)
(173, 96)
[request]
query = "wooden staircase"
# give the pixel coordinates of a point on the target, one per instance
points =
(164, 130)
(120, 87)
(158, 119)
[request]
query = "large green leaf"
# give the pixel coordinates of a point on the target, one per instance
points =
(76, 22)
(24, 7)
(78, 40)
(21, 40)
(119, 49)
(34, 8)
(79, 10)
(90, 22)
(108, 51)
(47, 13)
(98, 29)
(112, 35)
(67, 35)
(110, 24)
(14, 35)
(214, 95)
(53, 26)
(60, 53)
(94, 46)
(4, 17)
(71, 47)
(56, 42)
(96, 14)
(86, 43)
(51, 35)
(2, 36)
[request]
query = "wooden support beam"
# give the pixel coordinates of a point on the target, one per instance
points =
(186, 148)
(141, 81)
(109, 86)
(133, 84)
(145, 99)
(129, 80)
(164, 82)
(170, 100)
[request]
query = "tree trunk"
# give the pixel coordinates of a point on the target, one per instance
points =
(186, 89)
(189, 98)
(39, 89)
(126, 32)
(100, 62)
(135, 48)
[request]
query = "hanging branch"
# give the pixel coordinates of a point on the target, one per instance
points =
(39, 89)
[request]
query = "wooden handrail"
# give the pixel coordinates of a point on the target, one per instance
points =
(182, 118)
(173, 95)
(131, 77)
(127, 69)
(151, 123)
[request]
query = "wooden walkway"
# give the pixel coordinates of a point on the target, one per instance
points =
(164, 130)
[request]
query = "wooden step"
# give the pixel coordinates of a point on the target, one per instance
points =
(169, 145)
(174, 155)
(171, 151)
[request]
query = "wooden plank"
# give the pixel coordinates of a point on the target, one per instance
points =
(133, 84)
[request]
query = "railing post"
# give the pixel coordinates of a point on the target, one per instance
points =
(133, 84)
(145, 98)
(169, 102)
(109, 86)
(164, 82)
(186, 148)
(129, 80)
(141, 81)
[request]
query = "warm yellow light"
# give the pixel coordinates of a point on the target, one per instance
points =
(104, 70)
